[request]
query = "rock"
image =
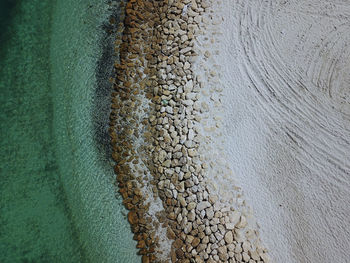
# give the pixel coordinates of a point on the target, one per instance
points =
(132, 217)
(230, 226)
(215, 221)
(192, 152)
(245, 257)
(191, 96)
(182, 201)
(205, 240)
(191, 206)
(178, 243)
(191, 134)
(231, 247)
(203, 205)
(167, 163)
(185, 50)
(229, 237)
(188, 228)
(209, 212)
(254, 255)
(141, 244)
(161, 156)
(218, 236)
(238, 248)
(246, 246)
(191, 216)
(145, 259)
(161, 185)
(181, 187)
(265, 258)
(243, 222)
(212, 198)
(234, 217)
(238, 257)
(231, 255)
(184, 38)
(205, 3)
(179, 218)
(188, 102)
(179, 253)
(223, 257)
(207, 230)
(195, 242)
(169, 109)
(201, 247)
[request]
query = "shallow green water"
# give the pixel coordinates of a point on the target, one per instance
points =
(57, 196)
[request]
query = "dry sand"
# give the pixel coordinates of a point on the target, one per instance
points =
(277, 85)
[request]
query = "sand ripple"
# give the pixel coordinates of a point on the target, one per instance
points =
(287, 64)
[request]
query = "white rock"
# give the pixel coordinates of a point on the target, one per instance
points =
(188, 102)
(234, 217)
(192, 152)
(229, 237)
(191, 134)
(169, 109)
(243, 222)
(209, 212)
(230, 226)
(245, 256)
(265, 258)
(189, 86)
(203, 205)
(191, 96)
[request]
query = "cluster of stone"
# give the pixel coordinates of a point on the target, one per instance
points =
(156, 57)
(130, 85)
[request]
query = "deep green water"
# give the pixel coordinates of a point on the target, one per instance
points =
(56, 184)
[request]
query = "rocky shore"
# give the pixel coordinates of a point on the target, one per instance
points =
(156, 138)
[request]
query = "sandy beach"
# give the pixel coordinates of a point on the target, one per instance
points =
(283, 87)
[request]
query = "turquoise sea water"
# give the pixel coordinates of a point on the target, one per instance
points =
(56, 183)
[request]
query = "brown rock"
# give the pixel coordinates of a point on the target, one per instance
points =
(170, 233)
(141, 244)
(195, 242)
(132, 217)
(173, 256)
(179, 253)
(145, 259)
(178, 243)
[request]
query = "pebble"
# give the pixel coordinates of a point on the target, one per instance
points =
(229, 237)
(203, 205)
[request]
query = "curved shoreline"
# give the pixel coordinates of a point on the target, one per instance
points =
(85, 170)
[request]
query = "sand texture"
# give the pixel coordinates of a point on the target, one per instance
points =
(282, 95)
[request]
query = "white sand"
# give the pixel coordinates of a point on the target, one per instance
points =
(285, 78)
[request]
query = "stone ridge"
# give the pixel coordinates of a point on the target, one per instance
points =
(156, 57)
(130, 85)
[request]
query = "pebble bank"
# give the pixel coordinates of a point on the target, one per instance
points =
(155, 130)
